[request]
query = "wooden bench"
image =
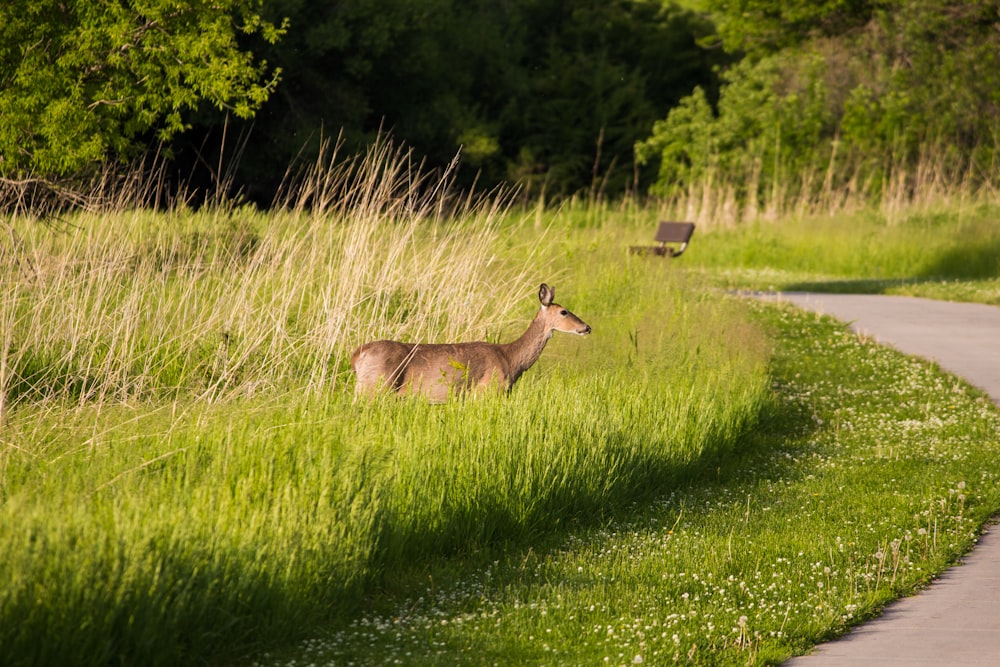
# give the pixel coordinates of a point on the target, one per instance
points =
(668, 232)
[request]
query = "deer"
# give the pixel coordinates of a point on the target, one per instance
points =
(439, 370)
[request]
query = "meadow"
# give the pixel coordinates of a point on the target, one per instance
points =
(186, 476)
(869, 474)
(941, 251)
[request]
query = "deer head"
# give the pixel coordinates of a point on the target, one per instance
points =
(557, 318)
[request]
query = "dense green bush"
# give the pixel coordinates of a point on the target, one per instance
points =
(763, 131)
(816, 97)
(895, 94)
(85, 82)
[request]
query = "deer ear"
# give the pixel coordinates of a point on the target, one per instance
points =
(546, 294)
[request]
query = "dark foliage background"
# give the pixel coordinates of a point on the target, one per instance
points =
(604, 97)
(548, 93)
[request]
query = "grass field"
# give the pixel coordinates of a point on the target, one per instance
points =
(185, 475)
(947, 251)
(870, 472)
(943, 249)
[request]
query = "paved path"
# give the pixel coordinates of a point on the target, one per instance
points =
(956, 620)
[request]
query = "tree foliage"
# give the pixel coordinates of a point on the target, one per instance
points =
(764, 26)
(765, 128)
(550, 93)
(559, 96)
(858, 91)
(84, 81)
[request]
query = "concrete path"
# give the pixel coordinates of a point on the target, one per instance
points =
(956, 620)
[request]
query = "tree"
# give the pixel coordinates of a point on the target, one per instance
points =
(597, 75)
(546, 92)
(860, 92)
(86, 81)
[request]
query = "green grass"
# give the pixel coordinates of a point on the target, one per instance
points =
(945, 249)
(162, 521)
(185, 475)
(872, 472)
(948, 252)
(828, 510)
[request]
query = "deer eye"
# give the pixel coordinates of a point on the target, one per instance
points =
(564, 312)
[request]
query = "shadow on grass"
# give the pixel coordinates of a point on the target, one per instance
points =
(857, 286)
(977, 259)
(439, 588)
(638, 501)
(973, 259)
(177, 607)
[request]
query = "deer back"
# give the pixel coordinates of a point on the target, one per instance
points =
(440, 370)
(434, 370)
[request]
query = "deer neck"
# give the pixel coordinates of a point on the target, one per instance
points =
(525, 351)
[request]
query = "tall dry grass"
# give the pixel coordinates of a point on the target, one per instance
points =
(125, 303)
(896, 191)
